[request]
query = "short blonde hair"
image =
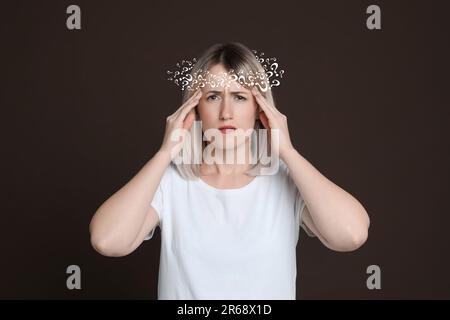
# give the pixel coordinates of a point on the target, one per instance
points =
(239, 58)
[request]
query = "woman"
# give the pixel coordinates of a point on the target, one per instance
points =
(227, 231)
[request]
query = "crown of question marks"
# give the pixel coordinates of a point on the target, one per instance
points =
(271, 76)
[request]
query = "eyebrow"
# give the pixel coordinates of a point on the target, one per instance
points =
(236, 92)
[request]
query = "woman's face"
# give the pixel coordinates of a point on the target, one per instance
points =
(221, 106)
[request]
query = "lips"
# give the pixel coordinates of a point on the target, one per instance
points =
(226, 129)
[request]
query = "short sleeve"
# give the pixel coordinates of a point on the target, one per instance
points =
(299, 204)
(158, 199)
(299, 208)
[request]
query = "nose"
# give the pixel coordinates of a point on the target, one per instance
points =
(226, 109)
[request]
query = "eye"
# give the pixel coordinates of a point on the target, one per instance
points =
(241, 98)
(211, 96)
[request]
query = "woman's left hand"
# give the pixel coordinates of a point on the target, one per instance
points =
(274, 119)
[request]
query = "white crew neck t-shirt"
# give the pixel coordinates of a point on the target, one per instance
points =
(228, 243)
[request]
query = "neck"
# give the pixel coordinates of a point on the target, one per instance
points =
(229, 169)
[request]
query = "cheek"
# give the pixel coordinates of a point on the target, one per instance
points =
(206, 115)
(247, 111)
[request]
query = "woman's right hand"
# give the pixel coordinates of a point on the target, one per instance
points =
(180, 119)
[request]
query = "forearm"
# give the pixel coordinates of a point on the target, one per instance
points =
(119, 219)
(340, 218)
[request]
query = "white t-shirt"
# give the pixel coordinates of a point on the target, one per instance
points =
(228, 243)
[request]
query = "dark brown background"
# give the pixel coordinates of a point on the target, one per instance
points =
(82, 111)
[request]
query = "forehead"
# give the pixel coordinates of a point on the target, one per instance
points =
(217, 69)
(221, 81)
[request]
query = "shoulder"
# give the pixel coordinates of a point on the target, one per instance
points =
(278, 173)
(284, 175)
(174, 175)
(283, 169)
(274, 169)
(168, 174)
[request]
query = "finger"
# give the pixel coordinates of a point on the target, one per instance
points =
(188, 104)
(258, 94)
(262, 102)
(260, 98)
(196, 95)
(191, 105)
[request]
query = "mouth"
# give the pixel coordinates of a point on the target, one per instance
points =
(227, 129)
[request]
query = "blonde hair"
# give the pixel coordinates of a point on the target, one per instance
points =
(239, 58)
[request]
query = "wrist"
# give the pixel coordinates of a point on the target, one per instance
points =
(288, 153)
(164, 154)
